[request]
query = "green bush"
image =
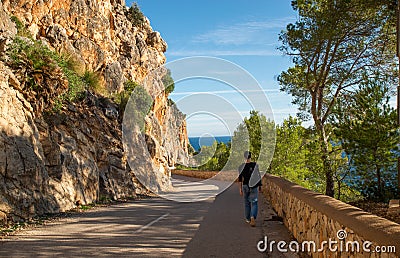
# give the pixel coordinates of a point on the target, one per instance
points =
(77, 84)
(130, 85)
(139, 101)
(135, 16)
(104, 199)
(44, 71)
(169, 84)
(42, 80)
(27, 54)
(92, 80)
(22, 31)
(213, 157)
(122, 98)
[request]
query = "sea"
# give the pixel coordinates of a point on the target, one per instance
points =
(197, 142)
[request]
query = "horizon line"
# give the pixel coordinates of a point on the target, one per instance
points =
(213, 136)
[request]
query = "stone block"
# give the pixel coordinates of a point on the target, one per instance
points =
(394, 207)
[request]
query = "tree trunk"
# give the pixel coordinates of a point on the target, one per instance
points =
(378, 175)
(329, 188)
(339, 188)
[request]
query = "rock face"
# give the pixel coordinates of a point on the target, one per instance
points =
(51, 162)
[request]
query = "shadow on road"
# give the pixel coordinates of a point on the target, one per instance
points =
(114, 231)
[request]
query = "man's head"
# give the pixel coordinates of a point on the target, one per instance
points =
(247, 155)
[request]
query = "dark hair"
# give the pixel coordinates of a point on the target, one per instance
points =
(247, 155)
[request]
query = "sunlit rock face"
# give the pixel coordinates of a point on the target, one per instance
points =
(53, 162)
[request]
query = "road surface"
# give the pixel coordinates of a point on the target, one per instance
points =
(153, 227)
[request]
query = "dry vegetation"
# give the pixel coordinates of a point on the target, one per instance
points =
(377, 208)
(217, 175)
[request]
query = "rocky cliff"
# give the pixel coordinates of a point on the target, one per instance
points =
(52, 159)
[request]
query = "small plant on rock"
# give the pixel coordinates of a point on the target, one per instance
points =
(42, 80)
(122, 98)
(92, 80)
(135, 16)
(22, 31)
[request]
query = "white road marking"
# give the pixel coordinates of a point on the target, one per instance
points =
(151, 223)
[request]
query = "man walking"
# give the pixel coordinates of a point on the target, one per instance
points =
(249, 183)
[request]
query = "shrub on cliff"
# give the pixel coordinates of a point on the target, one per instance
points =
(122, 98)
(22, 31)
(92, 80)
(47, 78)
(137, 107)
(76, 83)
(135, 16)
(42, 80)
(168, 81)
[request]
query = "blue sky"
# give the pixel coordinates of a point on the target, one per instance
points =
(242, 32)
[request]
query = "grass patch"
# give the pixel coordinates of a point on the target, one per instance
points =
(12, 228)
(85, 207)
(104, 199)
(25, 53)
(92, 81)
(76, 83)
(22, 31)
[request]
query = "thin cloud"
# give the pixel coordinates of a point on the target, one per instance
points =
(253, 32)
(213, 52)
(196, 123)
(251, 38)
(222, 92)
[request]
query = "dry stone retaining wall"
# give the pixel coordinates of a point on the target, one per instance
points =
(316, 217)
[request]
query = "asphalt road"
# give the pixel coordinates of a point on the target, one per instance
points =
(152, 228)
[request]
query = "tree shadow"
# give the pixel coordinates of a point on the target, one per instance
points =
(118, 230)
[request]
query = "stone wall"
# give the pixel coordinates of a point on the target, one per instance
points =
(315, 217)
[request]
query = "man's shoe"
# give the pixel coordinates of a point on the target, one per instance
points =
(247, 221)
(252, 222)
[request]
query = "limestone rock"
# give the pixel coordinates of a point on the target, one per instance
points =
(155, 40)
(7, 29)
(57, 35)
(50, 162)
(113, 77)
(93, 55)
(23, 177)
